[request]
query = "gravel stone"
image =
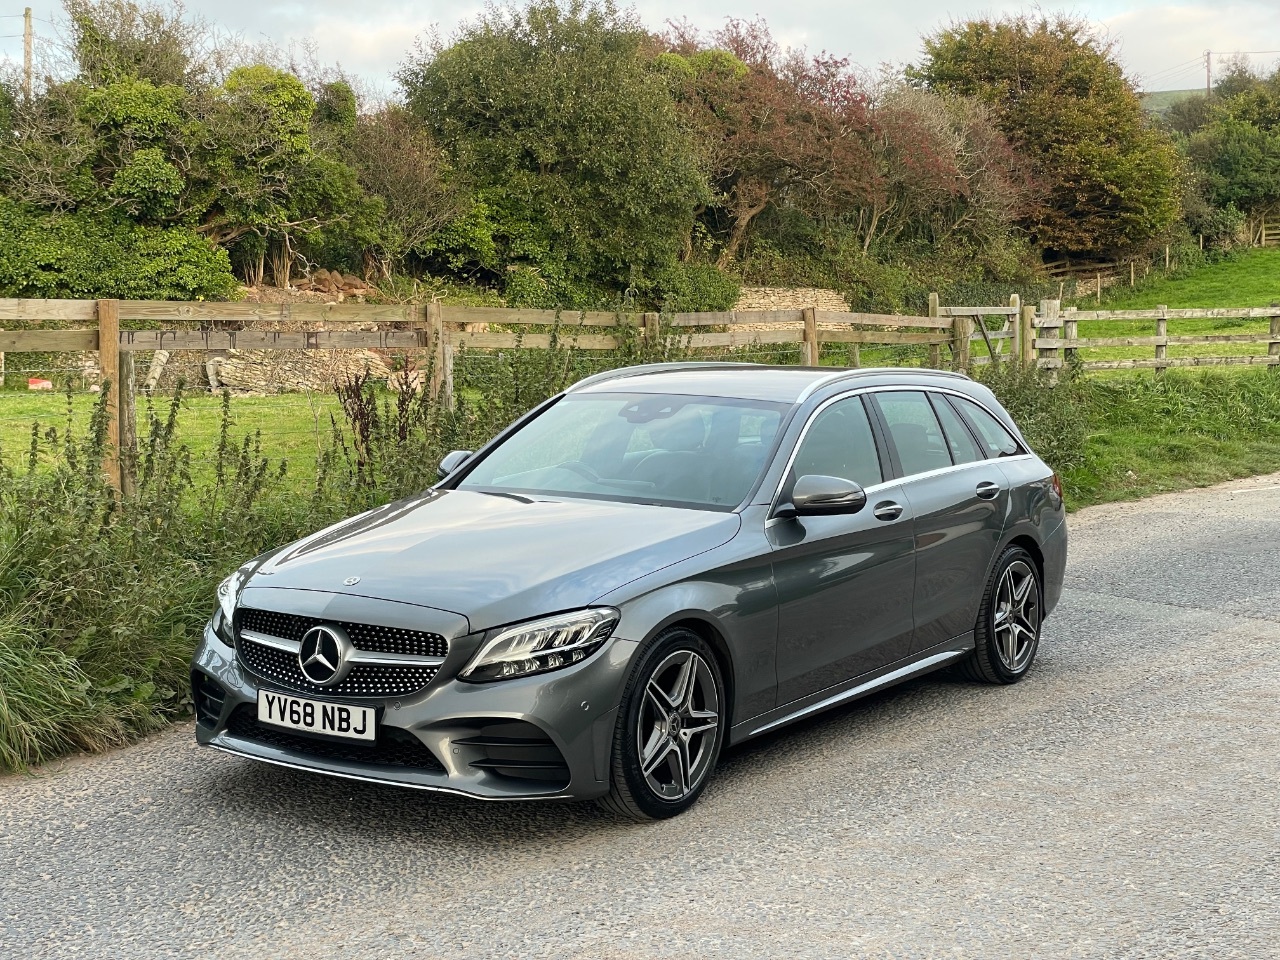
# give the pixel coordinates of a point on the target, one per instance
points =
(1119, 803)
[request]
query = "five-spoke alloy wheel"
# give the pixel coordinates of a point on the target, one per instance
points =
(670, 728)
(1008, 629)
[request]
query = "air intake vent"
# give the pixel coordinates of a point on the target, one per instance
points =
(394, 747)
(207, 695)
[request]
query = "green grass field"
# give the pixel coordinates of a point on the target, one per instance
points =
(1248, 279)
(293, 426)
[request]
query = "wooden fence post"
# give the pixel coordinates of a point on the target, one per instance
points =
(961, 331)
(1162, 330)
(651, 329)
(1013, 324)
(935, 350)
(441, 387)
(109, 369)
(811, 349)
(1027, 335)
(1050, 311)
(1273, 349)
(1070, 332)
(128, 429)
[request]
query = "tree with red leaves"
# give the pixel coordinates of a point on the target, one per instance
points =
(773, 127)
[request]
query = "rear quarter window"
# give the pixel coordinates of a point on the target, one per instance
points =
(996, 440)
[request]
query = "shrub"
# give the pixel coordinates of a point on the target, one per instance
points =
(78, 255)
(693, 287)
(1054, 414)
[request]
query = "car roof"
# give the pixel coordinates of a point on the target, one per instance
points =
(749, 381)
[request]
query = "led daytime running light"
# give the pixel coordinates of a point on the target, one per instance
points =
(542, 645)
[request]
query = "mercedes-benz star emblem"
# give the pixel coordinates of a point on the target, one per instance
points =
(350, 581)
(324, 656)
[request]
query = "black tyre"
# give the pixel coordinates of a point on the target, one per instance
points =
(670, 729)
(1007, 633)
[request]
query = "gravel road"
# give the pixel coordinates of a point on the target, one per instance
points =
(1121, 802)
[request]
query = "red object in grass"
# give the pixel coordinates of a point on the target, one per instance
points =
(35, 383)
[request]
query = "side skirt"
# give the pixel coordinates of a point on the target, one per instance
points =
(923, 662)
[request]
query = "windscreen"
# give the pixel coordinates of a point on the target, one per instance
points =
(704, 452)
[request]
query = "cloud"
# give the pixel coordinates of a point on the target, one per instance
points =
(1160, 42)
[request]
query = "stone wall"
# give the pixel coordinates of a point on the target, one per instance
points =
(790, 298)
(284, 371)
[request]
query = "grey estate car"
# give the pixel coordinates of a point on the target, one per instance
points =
(658, 562)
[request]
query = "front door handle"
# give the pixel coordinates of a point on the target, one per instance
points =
(988, 490)
(887, 510)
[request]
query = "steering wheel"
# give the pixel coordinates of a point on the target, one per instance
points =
(588, 474)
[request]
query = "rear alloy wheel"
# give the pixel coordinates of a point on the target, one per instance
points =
(1007, 633)
(669, 730)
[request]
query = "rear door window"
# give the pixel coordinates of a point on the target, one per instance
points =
(915, 430)
(996, 439)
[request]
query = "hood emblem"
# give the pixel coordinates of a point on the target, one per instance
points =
(324, 656)
(350, 581)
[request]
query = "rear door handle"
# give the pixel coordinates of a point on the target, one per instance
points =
(887, 510)
(988, 490)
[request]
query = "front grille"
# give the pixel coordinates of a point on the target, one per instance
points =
(364, 679)
(207, 696)
(393, 748)
(364, 636)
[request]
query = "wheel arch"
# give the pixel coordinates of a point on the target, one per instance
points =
(1029, 544)
(700, 623)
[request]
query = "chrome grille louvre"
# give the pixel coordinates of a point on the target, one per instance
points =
(364, 636)
(364, 680)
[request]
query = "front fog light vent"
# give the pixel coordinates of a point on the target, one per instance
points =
(207, 695)
(542, 645)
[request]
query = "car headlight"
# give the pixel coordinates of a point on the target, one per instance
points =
(228, 595)
(541, 645)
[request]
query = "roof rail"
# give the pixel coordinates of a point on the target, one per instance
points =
(640, 370)
(838, 375)
(820, 380)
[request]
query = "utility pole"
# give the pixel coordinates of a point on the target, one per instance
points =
(26, 52)
(1208, 73)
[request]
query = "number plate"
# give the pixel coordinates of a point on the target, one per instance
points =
(315, 716)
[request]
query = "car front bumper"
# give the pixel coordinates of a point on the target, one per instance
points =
(540, 737)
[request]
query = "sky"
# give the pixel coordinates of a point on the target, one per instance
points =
(1161, 44)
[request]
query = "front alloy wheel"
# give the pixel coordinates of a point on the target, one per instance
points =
(670, 728)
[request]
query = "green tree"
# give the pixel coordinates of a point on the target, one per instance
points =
(115, 39)
(1239, 163)
(1112, 183)
(570, 139)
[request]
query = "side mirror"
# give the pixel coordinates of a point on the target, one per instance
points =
(451, 462)
(818, 496)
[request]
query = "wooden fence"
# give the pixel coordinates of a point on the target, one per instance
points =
(440, 331)
(1048, 336)
(1058, 339)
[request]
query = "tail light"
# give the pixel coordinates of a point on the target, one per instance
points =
(1056, 483)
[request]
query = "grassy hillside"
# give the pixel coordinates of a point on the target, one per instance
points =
(1248, 279)
(1158, 101)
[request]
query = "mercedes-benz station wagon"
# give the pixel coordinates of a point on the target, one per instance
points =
(657, 563)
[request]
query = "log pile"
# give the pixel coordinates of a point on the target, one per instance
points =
(333, 283)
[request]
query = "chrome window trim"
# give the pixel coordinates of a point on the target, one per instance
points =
(899, 481)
